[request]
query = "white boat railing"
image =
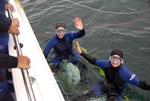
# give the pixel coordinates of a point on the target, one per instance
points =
(38, 82)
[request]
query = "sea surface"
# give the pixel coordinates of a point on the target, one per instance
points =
(109, 24)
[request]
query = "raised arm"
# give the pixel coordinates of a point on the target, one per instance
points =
(89, 58)
(78, 23)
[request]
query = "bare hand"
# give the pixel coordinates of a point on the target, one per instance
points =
(78, 23)
(23, 62)
(9, 7)
(14, 27)
(78, 48)
(15, 21)
(13, 30)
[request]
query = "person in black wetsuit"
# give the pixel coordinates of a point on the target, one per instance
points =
(117, 76)
(62, 43)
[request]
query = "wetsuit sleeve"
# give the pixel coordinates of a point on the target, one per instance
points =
(144, 85)
(48, 48)
(4, 23)
(73, 35)
(89, 58)
(129, 77)
(98, 62)
(7, 61)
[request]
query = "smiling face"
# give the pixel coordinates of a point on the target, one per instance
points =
(60, 32)
(115, 60)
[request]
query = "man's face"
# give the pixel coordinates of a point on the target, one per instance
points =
(60, 31)
(115, 61)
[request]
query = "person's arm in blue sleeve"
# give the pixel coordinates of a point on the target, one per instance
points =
(74, 35)
(133, 79)
(78, 23)
(49, 47)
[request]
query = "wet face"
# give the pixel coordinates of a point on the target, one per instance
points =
(115, 61)
(60, 31)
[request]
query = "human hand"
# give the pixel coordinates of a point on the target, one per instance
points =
(78, 48)
(14, 26)
(23, 62)
(78, 23)
(15, 21)
(9, 7)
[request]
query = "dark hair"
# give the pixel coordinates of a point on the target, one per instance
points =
(60, 25)
(117, 52)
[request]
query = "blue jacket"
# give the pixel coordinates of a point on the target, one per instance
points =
(4, 26)
(63, 47)
(2, 5)
(4, 21)
(126, 75)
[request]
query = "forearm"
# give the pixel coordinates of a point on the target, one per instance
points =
(89, 58)
(7, 61)
(144, 85)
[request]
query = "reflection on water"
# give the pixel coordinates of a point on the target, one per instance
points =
(109, 24)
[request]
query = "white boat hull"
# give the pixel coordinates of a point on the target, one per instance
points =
(44, 85)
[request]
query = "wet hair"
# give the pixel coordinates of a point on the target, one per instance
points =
(117, 52)
(60, 25)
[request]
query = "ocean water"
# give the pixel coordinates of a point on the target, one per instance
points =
(109, 24)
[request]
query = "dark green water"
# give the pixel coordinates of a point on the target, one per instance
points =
(109, 24)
